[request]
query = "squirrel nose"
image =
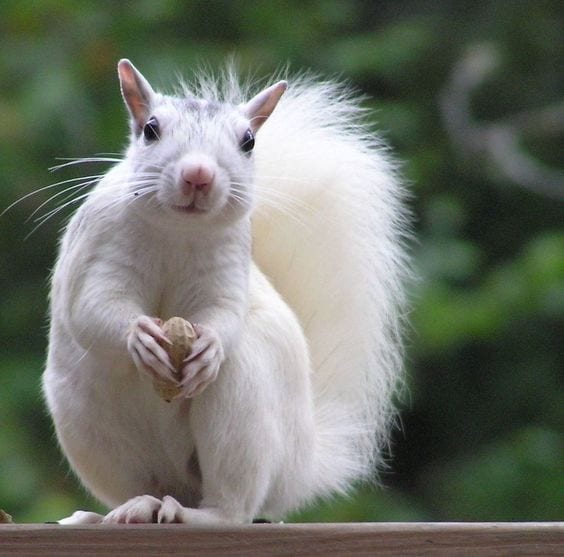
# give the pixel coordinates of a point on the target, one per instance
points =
(196, 176)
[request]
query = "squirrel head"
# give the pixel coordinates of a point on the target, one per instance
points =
(192, 155)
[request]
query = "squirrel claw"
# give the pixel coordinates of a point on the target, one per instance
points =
(202, 366)
(139, 510)
(143, 344)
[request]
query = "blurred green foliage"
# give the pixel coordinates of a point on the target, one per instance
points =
(481, 423)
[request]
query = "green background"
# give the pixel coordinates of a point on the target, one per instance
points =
(470, 97)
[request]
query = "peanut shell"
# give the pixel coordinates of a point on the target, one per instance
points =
(182, 336)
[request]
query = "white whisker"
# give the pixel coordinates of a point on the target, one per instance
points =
(50, 186)
(71, 189)
(286, 204)
(44, 218)
(259, 177)
(81, 160)
(115, 200)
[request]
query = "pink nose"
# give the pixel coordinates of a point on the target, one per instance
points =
(196, 176)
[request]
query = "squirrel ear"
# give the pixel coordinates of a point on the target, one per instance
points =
(260, 107)
(136, 92)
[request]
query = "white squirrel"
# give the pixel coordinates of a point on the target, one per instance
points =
(289, 259)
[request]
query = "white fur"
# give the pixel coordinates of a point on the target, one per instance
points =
(311, 331)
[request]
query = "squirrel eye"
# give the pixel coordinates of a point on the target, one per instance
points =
(151, 130)
(247, 142)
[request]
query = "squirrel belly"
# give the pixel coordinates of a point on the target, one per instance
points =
(289, 259)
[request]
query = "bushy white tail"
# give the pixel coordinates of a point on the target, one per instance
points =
(329, 232)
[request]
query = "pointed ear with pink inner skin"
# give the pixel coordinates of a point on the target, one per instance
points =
(261, 106)
(137, 94)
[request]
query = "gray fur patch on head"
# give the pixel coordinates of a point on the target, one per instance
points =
(192, 104)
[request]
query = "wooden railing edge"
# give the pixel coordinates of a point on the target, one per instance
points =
(385, 539)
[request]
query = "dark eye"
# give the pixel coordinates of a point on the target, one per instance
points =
(247, 142)
(151, 130)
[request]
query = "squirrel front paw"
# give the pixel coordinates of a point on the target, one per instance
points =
(202, 365)
(144, 342)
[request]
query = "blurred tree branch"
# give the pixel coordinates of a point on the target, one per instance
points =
(500, 142)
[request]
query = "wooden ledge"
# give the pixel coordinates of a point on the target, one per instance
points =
(380, 539)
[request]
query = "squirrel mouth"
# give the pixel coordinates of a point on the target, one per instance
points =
(188, 209)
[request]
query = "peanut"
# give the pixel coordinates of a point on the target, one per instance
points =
(182, 335)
